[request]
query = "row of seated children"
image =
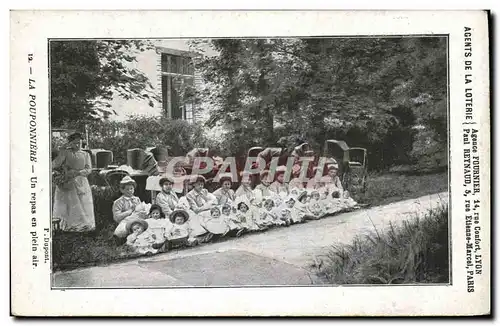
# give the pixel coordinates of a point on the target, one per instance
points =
(200, 215)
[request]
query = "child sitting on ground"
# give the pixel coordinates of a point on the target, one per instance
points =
(266, 217)
(216, 226)
(140, 239)
(324, 187)
(195, 221)
(315, 206)
(273, 209)
(294, 216)
(339, 203)
(230, 217)
(157, 222)
(180, 234)
(301, 206)
(286, 216)
(334, 203)
(236, 222)
(246, 215)
(333, 180)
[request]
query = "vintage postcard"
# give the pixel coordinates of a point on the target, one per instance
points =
(239, 163)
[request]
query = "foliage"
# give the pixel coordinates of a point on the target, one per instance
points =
(142, 132)
(85, 75)
(414, 252)
(368, 91)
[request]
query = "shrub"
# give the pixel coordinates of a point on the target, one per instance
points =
(141, 132)
(414, 252)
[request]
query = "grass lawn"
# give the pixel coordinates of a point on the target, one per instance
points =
(71, 251)
(414, 252)
(387, 188)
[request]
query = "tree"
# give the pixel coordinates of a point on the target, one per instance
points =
(368, 91)
(84, 76)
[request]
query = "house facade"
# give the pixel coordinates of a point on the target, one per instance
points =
(176, 79)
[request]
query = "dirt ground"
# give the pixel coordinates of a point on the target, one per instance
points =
(278, 257)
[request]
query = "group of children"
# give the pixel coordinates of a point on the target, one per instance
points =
(201, 216)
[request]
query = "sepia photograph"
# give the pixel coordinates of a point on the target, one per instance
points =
(249, 161)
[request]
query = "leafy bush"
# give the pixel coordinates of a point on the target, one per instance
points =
(415, 252)
(143, 131)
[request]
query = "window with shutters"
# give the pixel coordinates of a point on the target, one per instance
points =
(177, 78)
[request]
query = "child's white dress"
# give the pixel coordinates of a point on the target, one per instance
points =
(249, 218)
(233, 221)
(178, 231)
(181, 232)
(159, 227)
(215, 225)
(295, 215)
(277, 215)
(315, 208)
(194, 221)
(333, 205)
(265, 218)
(142, 243)
(301, 210)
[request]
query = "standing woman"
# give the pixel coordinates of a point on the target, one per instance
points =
(73, 203)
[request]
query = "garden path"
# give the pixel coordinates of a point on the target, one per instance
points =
(281, 256)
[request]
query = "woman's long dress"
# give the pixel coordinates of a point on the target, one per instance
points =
(73, 202)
